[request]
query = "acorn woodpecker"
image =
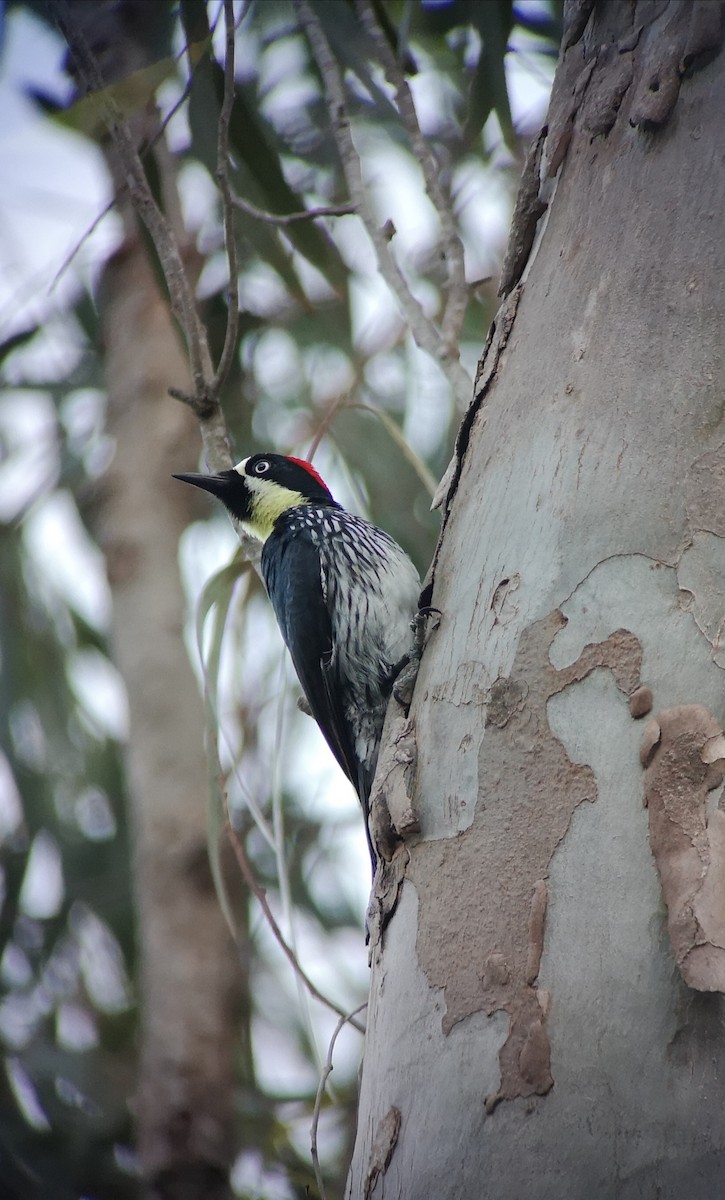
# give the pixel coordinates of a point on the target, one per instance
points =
(344, 594)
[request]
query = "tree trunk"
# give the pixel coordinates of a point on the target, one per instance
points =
(546, 1013)
(190, 972)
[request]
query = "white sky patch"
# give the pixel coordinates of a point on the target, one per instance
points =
(481, 202)
(75, 1027)
(529, 76)
(41, 894)
(428, 410)
(261, 291)
(315, 285)
(279, 1070)
(376, 319)
(354, 245)
(214, 274)
(101, 961)
(28, 439)
(283, 88)
(205, 548)
(28, 736)
(396, 184)
(83, 414)
(100, 690)
(276, 364)
(11, 807)
(94, 815)
(55, 183)
(329, 372)
(19, 1016)
(25, 1094)
(434, 97)
(385, 375)
(198, 198)
(63, 552)
(176, 128)
(250, 1177)
(15, 967)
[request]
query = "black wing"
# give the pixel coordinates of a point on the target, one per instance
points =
(291, 569)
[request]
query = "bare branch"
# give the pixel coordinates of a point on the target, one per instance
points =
(121, 191)
(84, 238)
(222, 178)
(183, 302)
(308, 214)
(261, 895)
(425, 333)
(438, 192)
(325, 1075)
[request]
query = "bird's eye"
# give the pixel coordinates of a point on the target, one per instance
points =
(261, 467)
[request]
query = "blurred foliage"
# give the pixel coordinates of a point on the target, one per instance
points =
(323, 349)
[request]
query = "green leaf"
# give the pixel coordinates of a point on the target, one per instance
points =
(126, 97)
(256, 172)
(489, 91)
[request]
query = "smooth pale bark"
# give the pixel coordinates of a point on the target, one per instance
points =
(529, 1032)
(189, 970)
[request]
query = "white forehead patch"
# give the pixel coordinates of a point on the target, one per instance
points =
(240, 466)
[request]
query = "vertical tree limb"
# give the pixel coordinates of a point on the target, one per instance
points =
(438, 192)
(424, 331)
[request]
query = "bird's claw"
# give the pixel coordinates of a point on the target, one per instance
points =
(406, 671)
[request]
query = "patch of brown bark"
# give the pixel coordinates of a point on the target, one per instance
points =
(683, 751)
(484, 950)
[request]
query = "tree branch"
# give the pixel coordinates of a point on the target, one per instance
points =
(438, 192)
(222, 178)
(261, 895)
(122, 191)
(425, 333)
(308, 214)
(325, 1075)
(204, 402)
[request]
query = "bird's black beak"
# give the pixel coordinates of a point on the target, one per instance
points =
(227, 486)
(218, 485)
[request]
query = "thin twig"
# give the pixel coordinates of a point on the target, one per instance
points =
(430, 483)
(180, 291)
(338, 404)
(326, 1072)
(84, 238)
(222, 178)
(424, 331)
(308, 214)
(283, 877)
(261, 895)
(438, 193)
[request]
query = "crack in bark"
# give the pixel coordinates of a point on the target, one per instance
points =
(498, 336)
(527, 211)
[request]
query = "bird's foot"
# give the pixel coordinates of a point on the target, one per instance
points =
(405, 672)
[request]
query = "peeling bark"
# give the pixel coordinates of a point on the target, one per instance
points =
(489, 967)
(684, 754)
(386, 1137)
(580, 575)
